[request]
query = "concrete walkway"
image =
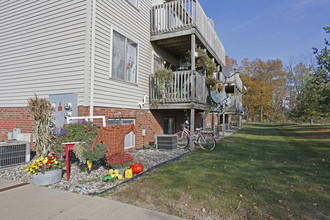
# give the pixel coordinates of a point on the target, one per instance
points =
(36, 202)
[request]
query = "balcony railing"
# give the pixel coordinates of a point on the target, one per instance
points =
(186, 86)
(233, 79)
(184, 14)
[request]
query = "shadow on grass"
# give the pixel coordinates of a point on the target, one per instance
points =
(265, 170)
(293, 130)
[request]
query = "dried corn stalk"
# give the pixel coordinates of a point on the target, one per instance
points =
(42, 111)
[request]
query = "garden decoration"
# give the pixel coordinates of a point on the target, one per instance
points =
(42, 111)
(45, 171)
(84, 155)
(121, 160)
(137, 168)
(113, 174)
(89, 165)
(106, 178)
(114, 137)
(128, 173)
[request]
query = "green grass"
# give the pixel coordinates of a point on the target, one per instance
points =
(265, 171)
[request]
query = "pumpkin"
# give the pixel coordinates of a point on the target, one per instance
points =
(137, 168)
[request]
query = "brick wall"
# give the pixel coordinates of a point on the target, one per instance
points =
(144, 119)
(151, 121)
(15, 117)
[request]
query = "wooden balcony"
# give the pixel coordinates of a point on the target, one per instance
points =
(186, 90)
(234, 80)
(183, 17)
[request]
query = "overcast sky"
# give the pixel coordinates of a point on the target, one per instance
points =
(269, 29)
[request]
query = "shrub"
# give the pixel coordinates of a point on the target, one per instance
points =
(83, 153)
(77, 132)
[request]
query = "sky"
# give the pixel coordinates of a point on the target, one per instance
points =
(269, 29)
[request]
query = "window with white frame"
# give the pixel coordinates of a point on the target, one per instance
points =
(124, 58)
(134, 2)
(129, 138)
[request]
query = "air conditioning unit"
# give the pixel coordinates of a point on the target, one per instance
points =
(166, 142)
(14, 152)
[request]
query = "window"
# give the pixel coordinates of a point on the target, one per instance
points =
(129, 138)
(134, 2)
(124, 58)
(169, 125)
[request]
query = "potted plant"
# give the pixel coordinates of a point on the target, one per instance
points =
(46, 170)
(165, 77)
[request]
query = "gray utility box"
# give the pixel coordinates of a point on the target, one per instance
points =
(166, 142)
(65, 105)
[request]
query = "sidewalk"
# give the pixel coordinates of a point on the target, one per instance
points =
(35, 202)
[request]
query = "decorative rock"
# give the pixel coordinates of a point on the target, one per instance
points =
(83, 183)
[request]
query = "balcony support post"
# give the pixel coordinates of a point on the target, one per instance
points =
(192, 127)
(193, 67)
(193, 89)
(223, 124)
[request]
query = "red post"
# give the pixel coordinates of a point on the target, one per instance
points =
(68, 147)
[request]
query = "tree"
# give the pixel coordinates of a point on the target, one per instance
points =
(323, 56)
(298, 72)
(231, 63)
(264, 90)
(314, 99)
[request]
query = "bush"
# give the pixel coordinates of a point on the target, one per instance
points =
(77, 132)
(83, 153)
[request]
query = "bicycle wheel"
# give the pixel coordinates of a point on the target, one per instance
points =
(206, 141)
(183, 139)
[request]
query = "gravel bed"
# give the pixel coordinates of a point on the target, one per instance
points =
(83, 183)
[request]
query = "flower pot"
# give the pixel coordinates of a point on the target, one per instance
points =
(49, 177)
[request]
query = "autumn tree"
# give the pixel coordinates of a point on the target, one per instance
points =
(264, 88)
(231, 63)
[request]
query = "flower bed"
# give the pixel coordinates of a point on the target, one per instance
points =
(83, 183)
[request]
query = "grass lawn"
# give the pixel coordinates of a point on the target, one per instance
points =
(265, 171)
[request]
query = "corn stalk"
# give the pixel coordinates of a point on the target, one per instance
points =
(42, 112)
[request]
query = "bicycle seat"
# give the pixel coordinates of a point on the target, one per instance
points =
(199, 129)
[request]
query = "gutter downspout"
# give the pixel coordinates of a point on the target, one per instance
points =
(91, 104)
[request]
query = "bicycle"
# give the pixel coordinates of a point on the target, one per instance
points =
(205, 139)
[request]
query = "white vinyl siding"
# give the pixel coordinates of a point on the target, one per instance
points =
(135, 26)
(42, 49)
(134, 2)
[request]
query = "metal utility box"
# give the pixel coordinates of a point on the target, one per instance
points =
(166, 142)
(65, 105)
